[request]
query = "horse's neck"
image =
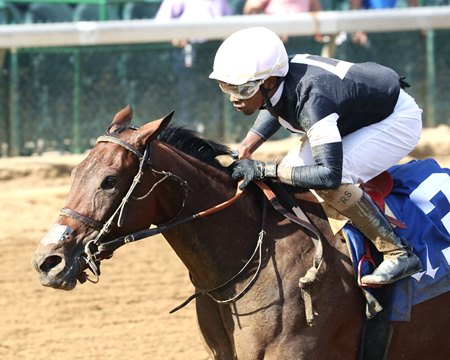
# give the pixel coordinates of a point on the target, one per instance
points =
(207, 185)
(206, 245)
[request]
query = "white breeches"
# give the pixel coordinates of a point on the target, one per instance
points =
(373, 149)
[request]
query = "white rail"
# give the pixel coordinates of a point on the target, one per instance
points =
(150, 31)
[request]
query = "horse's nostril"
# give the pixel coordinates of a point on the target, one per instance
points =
(50, 262)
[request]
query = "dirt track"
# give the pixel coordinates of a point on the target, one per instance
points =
(125, 316)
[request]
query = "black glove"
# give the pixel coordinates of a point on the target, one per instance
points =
(250, 170)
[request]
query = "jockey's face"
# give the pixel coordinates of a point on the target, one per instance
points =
(248, 106)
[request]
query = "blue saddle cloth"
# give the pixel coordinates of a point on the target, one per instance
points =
(421, 199)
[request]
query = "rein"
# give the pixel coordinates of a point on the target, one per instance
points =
(241, 293)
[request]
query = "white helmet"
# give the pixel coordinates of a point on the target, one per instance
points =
(250, 54)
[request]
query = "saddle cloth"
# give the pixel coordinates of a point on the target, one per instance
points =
(420, 198)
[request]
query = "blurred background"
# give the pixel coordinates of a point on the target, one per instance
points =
(60, 98)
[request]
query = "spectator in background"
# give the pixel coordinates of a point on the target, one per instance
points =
(273, 7)
(360, 37)
(279, 7)
(189, 52)
(191, 10)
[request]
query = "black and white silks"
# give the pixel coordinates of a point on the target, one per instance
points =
(328, 99)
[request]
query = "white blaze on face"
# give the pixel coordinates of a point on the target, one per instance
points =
(56, 234)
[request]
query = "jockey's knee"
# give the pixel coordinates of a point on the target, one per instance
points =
(342, 197)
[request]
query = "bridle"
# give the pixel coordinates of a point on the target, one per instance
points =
(100, 248)
(95, 249)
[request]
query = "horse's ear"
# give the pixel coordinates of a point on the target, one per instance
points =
(153, 129)
(122, 119)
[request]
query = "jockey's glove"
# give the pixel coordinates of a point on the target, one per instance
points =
(250, 170)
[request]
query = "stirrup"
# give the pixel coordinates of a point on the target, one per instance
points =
(392, 270)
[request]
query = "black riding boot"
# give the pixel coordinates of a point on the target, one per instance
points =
(398, 259)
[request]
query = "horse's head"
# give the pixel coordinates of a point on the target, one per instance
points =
(102, 185)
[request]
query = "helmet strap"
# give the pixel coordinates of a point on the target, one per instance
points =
(265, 93)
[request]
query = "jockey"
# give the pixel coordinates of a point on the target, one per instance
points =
(356, 121)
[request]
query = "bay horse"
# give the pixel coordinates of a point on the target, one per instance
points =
(139, 181)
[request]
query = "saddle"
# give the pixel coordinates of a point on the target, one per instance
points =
(379, 188)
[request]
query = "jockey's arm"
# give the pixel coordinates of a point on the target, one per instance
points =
(264, 127)
(249, 145)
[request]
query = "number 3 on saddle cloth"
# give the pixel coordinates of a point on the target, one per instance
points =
(418, 195)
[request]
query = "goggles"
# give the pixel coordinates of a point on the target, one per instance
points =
(241, 92)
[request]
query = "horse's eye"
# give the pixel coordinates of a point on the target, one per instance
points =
(109, 183)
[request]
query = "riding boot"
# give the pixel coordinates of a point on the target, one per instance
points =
(399, 261)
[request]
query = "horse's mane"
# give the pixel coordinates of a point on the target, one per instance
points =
(193, 144)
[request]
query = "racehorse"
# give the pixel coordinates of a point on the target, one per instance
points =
(244, 257)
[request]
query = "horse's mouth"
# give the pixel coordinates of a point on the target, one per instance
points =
(58, 273)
